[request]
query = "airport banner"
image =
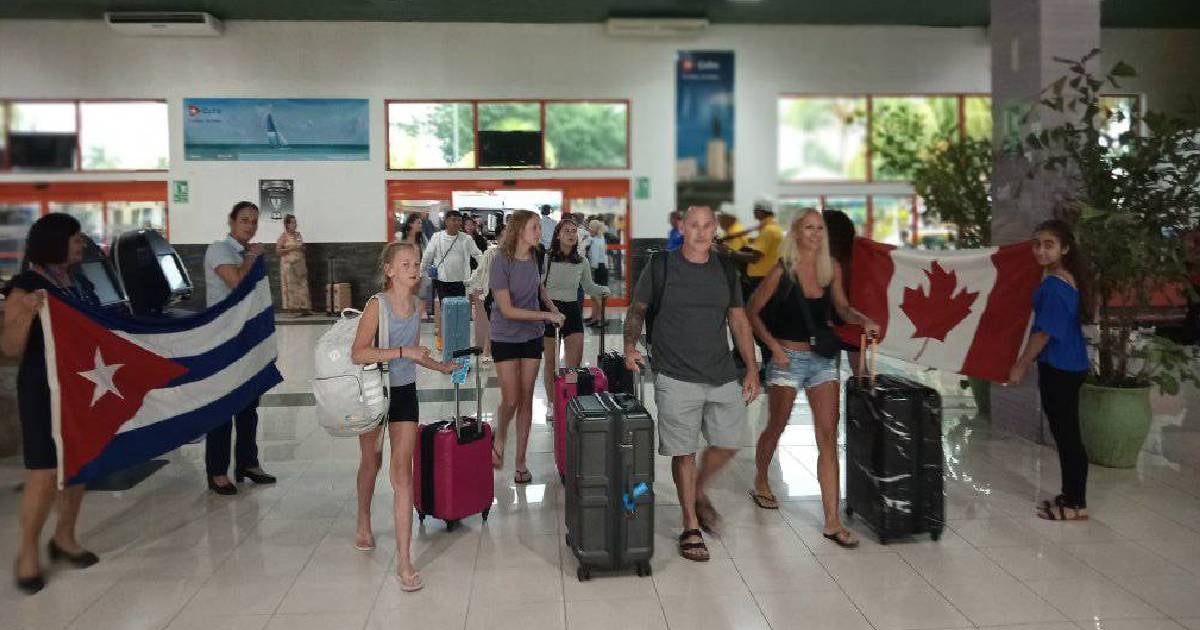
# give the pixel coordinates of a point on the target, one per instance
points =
(283, 129)
(704, 127)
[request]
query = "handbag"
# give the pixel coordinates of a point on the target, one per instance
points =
(822, 341)
(433, 269)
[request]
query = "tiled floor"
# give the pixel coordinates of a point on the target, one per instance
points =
(175, 556)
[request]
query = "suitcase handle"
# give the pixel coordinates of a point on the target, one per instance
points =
(603, 301)
(868, 344)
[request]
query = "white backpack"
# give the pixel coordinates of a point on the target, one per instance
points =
(351, 399)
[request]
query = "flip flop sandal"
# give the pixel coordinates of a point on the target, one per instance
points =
(843, 538)
(694, 551)
(522, 477)
(412, 585)
(764, 501)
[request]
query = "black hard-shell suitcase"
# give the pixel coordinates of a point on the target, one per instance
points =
(610, 483)
(894, 456)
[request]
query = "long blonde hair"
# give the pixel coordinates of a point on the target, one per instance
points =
(387, 255)
(788, 251)
(512, 231)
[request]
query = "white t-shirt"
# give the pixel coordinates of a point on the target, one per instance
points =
(452, 255)
(548, 226)
(597, 251)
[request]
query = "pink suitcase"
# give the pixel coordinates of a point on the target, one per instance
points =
(458, 454)
(566, 387)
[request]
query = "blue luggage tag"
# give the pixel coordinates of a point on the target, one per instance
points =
(459, 375)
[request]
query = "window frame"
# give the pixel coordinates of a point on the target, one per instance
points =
(6, 164)
(476, 102)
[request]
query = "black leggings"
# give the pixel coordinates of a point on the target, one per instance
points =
(1059, 391)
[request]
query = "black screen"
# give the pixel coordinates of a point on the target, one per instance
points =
(42, 150)
(510, 148)
(102, 283)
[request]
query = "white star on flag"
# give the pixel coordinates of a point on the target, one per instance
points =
(102, 376)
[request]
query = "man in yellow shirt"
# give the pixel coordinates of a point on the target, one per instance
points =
(765, 245)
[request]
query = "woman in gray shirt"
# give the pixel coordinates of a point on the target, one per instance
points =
(518, 323)
(565, 271)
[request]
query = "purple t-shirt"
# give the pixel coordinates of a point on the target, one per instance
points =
(521, 278)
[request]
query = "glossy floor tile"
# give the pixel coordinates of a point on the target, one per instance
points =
(280, 557)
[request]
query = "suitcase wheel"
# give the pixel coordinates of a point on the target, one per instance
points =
(849, 512)
(485, 513)
(883, 540)
(935, 534)
(583, 573)
(643, 569)
(421, 517)
(452, 525)
(562, 479)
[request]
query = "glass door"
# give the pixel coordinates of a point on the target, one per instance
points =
(90, 215)
(15, 219)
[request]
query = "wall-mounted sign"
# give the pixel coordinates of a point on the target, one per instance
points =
(179, 191)
(277, 198)
(285, 129)
(704, 127)
(641, 188)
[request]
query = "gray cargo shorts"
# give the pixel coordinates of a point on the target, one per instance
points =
(687, 410)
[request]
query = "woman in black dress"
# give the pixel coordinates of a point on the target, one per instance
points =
(52, 254)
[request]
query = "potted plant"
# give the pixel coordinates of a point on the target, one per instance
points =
(952, 174)
(1132, 197)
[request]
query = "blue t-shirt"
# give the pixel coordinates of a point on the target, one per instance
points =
(674, 240)
(1056, 313)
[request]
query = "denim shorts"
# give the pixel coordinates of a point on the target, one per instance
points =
(805, 369)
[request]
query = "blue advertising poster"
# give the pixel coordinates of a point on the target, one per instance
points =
(269, 129)
(704, 127)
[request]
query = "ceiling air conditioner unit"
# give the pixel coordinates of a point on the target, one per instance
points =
(655, 27)
(164, 23)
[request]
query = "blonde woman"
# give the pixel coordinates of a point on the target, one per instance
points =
(400, 267)
(518, 323)
(807, 289)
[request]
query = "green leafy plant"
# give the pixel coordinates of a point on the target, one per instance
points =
(951, 173)
(1132, 196)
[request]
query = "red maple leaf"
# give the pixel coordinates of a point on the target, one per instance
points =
(936, 314)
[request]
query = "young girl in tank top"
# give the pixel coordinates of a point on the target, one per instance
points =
(400, 265)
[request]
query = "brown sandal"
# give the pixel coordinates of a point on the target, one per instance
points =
(522, 477)
(766, 501)
(843, 537)
(695, 551)
(710, 519)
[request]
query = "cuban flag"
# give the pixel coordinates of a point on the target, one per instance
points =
(965, 311)
(124, 390)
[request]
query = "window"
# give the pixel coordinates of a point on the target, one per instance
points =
(431, 135)
(90, 215)
(903, 127)
(854, 207)
(124, 136)
(977, 114)
(892, 219)
(533, 134)
(790, 209)
(1117, 114)
(822, 139)
(933, 233)
(15, 219)
(84, 135)
(124, 216)
(587, 135)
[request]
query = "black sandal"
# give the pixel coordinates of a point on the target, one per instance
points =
(522, 477)
(694, 551)
(842, 537)
(1057, 511)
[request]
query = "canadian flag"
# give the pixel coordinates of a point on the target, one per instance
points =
(962, 311)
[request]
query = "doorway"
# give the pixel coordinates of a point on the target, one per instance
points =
(493, 199)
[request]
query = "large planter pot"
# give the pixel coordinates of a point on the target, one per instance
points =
(1114, 422)
(981, 391)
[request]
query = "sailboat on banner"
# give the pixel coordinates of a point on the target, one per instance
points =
(274, 137)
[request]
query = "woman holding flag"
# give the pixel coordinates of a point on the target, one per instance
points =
(53, 250)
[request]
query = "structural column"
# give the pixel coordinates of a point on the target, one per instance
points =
(1026, 37)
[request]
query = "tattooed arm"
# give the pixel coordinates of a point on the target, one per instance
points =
(635, 317)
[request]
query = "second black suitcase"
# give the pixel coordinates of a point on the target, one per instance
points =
(610, 483)
(894, 457)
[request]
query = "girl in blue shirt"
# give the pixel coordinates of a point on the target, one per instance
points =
(1056, 342)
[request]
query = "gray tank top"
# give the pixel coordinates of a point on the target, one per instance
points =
(402, 331)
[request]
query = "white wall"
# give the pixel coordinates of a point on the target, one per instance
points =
(344, 202)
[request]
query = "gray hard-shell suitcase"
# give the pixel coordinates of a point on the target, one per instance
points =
(894, 458)
(610, 483)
